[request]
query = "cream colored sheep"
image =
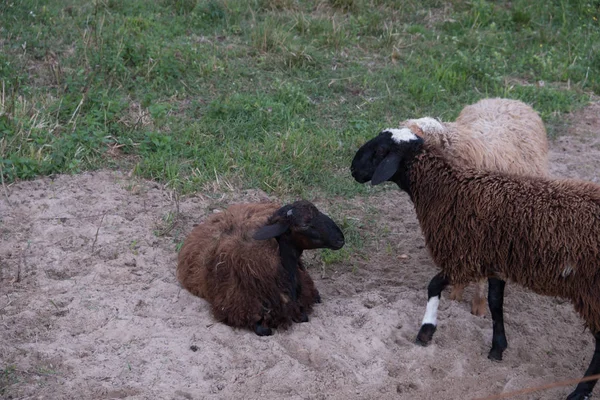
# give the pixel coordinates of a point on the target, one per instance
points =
(493, 134)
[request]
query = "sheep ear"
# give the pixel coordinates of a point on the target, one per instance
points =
(270, 231)
(386, 168)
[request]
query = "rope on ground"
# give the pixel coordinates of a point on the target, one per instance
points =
(543, 387)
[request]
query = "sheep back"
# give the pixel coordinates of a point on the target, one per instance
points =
(241, 278)
(493, 134)
(543, 234)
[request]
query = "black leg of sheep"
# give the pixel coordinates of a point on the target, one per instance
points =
(434, 292)
(584, 389)
(261, 330)
(495, 302)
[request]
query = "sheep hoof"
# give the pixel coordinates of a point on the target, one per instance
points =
(495, 354)
(318, 298)
(303, 318)
(454, 297)
(478, 309)
(579, 396)
(263, 330)
(425, 334)
(456, 294)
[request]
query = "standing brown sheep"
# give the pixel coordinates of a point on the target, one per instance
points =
(541, 233)
(493, 134)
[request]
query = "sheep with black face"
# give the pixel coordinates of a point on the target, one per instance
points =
(494, 134)
(541, 233)
(246, 262)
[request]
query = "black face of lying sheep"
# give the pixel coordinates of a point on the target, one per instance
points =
(381, 158)
(297, 227)
(303, 226)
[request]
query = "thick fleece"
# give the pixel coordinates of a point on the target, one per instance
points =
(493, 134)
(543, 234)
(242, 278)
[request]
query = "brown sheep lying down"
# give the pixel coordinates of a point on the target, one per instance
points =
(246, 262)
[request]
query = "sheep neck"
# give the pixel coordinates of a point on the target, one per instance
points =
(290, 259)
(402, 178)
(433, 174)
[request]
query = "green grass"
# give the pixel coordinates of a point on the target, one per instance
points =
(354, 235)
(8, 377)
(264, 94)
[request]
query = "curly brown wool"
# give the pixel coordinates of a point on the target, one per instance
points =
(494, 134)
(541, 233)
(244, 279)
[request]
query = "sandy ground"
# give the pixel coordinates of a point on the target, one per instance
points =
(90, 307)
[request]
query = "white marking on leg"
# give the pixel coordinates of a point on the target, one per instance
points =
(431, 311)
(401, 135)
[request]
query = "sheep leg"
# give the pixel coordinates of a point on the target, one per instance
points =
(584, 389)
(262, 330)
(317, 297)
(293, 284)
(434, 292)
(495, 302)
(303, 317)
(478, 301)
(457, 292)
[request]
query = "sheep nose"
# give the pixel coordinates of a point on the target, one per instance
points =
(338, 244)
(358, 177)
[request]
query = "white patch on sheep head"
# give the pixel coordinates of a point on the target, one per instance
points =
(401, 135)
